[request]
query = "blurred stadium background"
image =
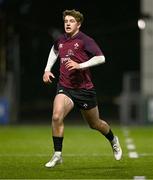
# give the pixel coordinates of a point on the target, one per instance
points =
(124, 31)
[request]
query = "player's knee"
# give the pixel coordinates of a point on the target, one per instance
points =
(93, 126)
(97, 124)
(56, 118)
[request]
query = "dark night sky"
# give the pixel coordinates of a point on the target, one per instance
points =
(113, 24)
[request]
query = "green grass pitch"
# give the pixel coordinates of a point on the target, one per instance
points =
(24, 149)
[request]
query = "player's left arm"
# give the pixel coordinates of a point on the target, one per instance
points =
(92, 48)
(94, 61)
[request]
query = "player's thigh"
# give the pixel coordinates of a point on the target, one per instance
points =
(91, 115)
(62, 105)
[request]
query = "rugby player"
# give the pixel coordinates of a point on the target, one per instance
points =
(77, 53)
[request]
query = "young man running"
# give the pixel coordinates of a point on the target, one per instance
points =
(77, 52)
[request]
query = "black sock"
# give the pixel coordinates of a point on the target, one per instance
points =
(57, 143)
(109, 135)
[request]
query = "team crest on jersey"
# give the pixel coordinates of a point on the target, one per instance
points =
(69, 53)
(76, 45)
(60, 45)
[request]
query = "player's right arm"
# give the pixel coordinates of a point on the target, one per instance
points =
(51, 61)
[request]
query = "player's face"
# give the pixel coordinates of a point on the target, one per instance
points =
(71, 26)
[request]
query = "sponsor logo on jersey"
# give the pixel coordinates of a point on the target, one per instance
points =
(64, 59)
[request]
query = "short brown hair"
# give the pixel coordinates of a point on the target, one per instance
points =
(76, 14)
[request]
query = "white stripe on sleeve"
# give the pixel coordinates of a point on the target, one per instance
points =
(94, 61)
(51, 59)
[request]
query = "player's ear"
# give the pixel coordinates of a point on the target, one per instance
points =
(79, 24)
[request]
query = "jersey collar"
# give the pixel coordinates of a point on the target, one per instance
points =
(73, 37)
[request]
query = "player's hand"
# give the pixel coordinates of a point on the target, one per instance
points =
(47, 77)
(70, 65)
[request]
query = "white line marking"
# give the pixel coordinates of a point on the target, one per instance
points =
(126, 132)
(71, 155)
(130, 146)
(129, 140)
(133, 155)
(66, 155)
(146, 154)
(139, 177)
